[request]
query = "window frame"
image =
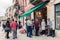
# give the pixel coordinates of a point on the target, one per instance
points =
(55, 15)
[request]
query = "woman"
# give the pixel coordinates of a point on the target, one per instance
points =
(43, 26)
(7, 28)
(36, 24)
(19, 25)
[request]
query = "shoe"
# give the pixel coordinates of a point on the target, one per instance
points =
(48, 35)
(43, 35)
(36, 35)
(30, 36)
(13, 38)
(8, 37)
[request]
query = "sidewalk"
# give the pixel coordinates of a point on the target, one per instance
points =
(23, 37)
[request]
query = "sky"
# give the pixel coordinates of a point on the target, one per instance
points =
(4, 4)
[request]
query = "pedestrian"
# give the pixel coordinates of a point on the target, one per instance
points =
(32, 27)
(49, 24)
(4, 26)
(16, 28)
(36, 25)
(16, 25)
(7, 29)
(29, 27)
(43, 26)
(19, 25)
(13, 25)
(33, 24)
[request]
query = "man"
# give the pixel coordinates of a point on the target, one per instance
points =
(29, 27)
(13, 25)
(49, 23)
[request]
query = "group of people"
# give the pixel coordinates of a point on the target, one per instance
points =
(11, 26)
(35, 24)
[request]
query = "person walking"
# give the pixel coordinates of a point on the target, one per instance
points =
(43, 26)
(36, 25)
(7, 29)
(13, 25)
(29, 27)
(4, 26)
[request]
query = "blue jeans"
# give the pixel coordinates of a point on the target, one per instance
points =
(29, 31)
(14, 33)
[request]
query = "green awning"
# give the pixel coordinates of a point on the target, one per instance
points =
(28, 13)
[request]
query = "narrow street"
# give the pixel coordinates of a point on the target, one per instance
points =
(23, 37)
(38, 15)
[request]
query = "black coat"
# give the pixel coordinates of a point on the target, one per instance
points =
(7, 25)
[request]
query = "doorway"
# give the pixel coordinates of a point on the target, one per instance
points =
(41, 14)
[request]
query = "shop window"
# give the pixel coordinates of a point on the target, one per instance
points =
(57, 12)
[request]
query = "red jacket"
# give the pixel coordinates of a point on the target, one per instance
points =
(13, 25)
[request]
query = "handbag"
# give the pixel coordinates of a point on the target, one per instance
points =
(7, 28)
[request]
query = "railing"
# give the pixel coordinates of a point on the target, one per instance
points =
(35, 2)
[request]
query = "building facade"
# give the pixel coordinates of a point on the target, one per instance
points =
(52, 11)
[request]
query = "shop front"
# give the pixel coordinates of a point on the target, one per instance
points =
(41, 14)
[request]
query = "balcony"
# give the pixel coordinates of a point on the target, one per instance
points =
(35, 2)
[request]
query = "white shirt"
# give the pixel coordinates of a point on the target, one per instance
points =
(49, 23)
(43, 25)
(29, 23)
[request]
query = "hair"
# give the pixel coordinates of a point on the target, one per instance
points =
(26, 19)
(19, 22)
(12, 19)
(8, 19)
(32, 19)
(16, 21)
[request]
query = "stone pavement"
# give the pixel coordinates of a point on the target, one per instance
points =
(23, 37)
